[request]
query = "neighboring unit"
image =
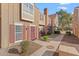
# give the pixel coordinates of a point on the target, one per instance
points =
(41, 24)
(75, 22)
(37, 18)
(46, 20)
(54, 21)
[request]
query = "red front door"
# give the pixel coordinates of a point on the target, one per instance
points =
(33, 33)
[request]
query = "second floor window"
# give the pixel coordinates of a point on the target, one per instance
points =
(28, 8)
(41, 17)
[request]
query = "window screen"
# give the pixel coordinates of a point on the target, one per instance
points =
(19, 32)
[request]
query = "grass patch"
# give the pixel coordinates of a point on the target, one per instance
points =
(44, 38)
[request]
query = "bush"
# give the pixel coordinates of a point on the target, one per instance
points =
(24, 46)
(45, 38)
(42, 33)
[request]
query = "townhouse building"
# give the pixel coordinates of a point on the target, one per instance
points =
(49, 25)
(49, 21)
(54, 21)
(41, 24)
(20, 22)
(75, 22)
(46, 20)
(17, 23)
(37, 20)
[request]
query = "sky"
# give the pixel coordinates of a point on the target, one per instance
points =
(54, 7)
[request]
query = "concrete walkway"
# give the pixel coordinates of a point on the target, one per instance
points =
(54, 43)
(69, 46)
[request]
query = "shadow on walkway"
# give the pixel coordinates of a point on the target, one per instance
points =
(70, 39)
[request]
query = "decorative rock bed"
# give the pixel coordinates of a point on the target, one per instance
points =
(17, 49)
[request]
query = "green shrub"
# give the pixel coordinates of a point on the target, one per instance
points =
(24, 46)
(45, 38)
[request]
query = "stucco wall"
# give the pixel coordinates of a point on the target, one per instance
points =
(5, 25)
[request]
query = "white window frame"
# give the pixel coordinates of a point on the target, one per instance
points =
(24, 12)
(19, 24)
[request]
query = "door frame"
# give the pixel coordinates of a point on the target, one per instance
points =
(32, 25)
(0, 32)
(0, 25)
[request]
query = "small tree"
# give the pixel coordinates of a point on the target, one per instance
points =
(24, 47)
(64, 19)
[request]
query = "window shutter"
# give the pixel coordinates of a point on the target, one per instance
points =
(28, 32)
(12, 34)
(36, 32)
(24, 29)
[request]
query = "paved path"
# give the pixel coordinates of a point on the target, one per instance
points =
(69, 46)
(54, 43)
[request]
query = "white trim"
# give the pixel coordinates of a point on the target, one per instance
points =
(17, 23)
(18, 41)
(28, 19)
(32, 25)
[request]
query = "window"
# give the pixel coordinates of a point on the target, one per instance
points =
(27, 11)
(25, 5)
(30, 8)
(19, 32)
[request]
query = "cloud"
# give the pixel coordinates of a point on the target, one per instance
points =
(62, 7)
(72, 13)
(63, 3)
